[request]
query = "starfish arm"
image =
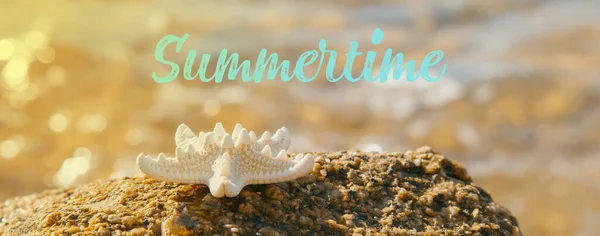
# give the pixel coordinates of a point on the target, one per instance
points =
(184, 136)
(280, 141)
(261, 168)
(272, 171)
(188, 166)
(220, 186)
(162, 167)
(225, 182)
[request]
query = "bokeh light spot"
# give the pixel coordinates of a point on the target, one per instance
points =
(212, 107)
(36, 39)
(15, 69)
(58, 122)
(7, 49)
(134, 137)
(9, 149)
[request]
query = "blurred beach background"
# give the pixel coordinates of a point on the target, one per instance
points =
(519, 104)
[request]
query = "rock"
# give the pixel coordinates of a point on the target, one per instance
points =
(303, 220)
(269, 231)
(175, 226)
(137, 232)
(130, 222)
(362, 193)
(72, 230)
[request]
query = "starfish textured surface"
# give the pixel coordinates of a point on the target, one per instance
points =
(227, 162)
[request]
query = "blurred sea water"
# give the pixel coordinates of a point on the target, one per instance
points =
(518, 104)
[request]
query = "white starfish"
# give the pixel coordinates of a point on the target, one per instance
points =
(227, 162)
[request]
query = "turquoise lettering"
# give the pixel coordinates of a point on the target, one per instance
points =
(352, 53)
(159, 55)
(426, 63)
(302, 63)
(273, 67)
(331, 64)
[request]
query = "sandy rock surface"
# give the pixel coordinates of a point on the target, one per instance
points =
(417, 192)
